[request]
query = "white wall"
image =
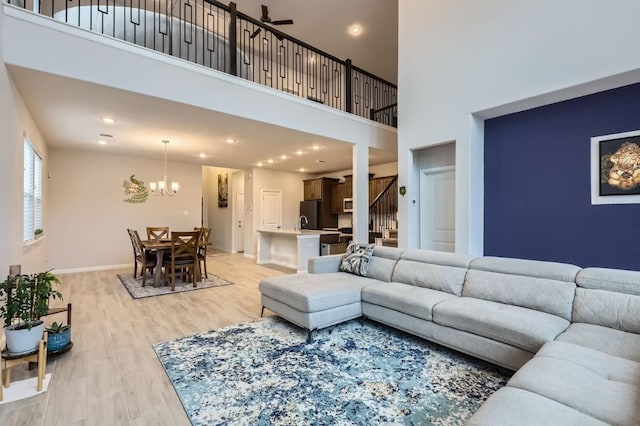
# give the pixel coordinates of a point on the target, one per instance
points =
(15, 119)
(219, 219)
(495, 57)
(292, 193)
(88, 217)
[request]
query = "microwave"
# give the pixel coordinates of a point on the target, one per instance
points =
(347, 205)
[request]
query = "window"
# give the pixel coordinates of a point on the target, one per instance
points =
(32, 208)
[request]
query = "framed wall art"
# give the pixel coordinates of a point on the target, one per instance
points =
(615, 168)
(223, 190)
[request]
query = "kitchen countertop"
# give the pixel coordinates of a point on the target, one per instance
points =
(298, 232)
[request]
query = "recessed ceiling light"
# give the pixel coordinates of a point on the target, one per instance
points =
(102, 142)
(270, 161)
(302, 169)
(299, 152)
(203, 155)
(108, 120)
(315, 147)
(260, 164)
(355, 30)
(283, 157)
(230, 140)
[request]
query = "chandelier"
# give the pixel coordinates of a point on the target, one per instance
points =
(161, 187)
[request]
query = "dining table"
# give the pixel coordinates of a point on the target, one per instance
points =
(160, 246)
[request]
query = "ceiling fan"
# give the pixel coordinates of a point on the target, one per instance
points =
(265, 18)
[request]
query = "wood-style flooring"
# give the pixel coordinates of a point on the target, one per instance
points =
(112, 375)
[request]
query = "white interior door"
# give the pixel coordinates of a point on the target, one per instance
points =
(271, 211)
(239, 222)
(437, 209)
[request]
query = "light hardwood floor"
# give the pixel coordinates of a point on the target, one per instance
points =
(112, 375)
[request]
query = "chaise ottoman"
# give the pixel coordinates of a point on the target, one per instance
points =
(314, 301)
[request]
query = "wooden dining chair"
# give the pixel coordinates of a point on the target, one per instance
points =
(202, 248)
(157, 232)
(184, 257)
(146, 259)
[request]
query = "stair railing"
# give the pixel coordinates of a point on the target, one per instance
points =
(383, 211)
(218, 36)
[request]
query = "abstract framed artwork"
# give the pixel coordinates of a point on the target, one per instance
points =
(615, 168)
(223, 190)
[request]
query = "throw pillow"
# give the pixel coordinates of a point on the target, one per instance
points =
(356, 259)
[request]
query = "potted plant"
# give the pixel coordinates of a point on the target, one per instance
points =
(59, 336)
(26, 300)
(38, 233)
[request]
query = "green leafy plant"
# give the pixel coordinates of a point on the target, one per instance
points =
(38, 231)
(27, 298)
(56, 328)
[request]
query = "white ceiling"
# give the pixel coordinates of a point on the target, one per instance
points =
(68, 113)
(323, 24)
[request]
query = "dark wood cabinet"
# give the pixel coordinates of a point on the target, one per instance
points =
(341, 191)
(322, 189)
(313, 189)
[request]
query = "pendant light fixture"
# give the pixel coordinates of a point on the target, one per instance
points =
(161, 187)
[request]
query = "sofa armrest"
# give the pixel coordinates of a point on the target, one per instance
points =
(324, 264)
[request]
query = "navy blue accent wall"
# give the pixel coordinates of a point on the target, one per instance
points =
(537, 184)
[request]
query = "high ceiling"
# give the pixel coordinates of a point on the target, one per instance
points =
(324, 24)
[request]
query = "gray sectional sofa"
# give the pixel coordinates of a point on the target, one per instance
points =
(572, 335)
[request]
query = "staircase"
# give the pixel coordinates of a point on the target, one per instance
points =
(383, 215)
(392, 240)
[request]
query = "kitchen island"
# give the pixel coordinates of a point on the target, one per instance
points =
(291, 248)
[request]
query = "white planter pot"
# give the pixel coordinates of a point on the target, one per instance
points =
(24, 340)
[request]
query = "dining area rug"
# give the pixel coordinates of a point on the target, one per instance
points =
(264, 373)
(135, 289)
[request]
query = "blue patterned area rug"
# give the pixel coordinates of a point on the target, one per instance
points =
(135, 289)
(264, 373)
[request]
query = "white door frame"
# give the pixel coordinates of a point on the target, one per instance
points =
(423, 202)
(234, 221)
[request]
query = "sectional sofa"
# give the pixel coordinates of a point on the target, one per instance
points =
(572, 335)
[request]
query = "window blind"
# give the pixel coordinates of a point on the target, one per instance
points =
(32, 207)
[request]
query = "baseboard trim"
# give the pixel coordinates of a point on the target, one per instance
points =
(92, 268)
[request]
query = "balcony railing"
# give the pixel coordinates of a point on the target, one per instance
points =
(214, 35)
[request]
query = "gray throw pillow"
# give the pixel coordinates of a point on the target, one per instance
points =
(356, 259)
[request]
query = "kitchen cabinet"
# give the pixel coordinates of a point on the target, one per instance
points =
(341, 190)
(322, 189)
(348, 182)
(313, 189)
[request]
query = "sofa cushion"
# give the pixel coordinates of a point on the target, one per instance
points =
(604, 339)
(356, 259)
(382, 262)
(411, 300)
(512, 406)
(580, 388)
(520, 327)
(607, 308)
(315, 292)
(540, 294)
(608, 366)
(437, 258)
(617, 280)
(529, 268)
